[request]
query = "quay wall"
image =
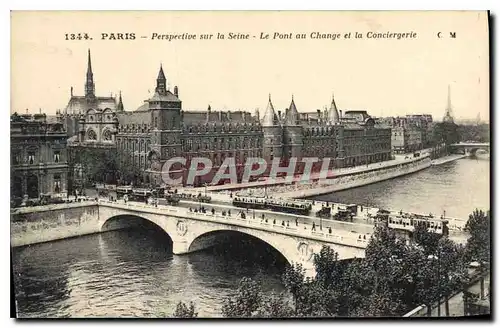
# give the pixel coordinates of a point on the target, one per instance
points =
(447, 159)
(384, 174)
(33, 225)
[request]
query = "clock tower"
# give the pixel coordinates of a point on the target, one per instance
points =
(165, 108)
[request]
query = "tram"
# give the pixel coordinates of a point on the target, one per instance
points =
(121, 191)
(278, 205)
(140, 195)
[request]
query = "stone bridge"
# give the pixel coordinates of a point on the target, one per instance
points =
(190, 231)
(470, 148)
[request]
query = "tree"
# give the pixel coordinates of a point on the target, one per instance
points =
(247, 301)
(478, 244)
(128, 171)
(427, 240)
(183, 311)
(294, 278)
(386, 266)
(99, 165)
(275, 306)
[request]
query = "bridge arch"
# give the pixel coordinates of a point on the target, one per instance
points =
(220, 236)
(127, 221)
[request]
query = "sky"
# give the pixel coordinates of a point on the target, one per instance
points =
(386, 77)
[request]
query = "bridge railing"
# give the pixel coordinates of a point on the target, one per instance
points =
(346, 238)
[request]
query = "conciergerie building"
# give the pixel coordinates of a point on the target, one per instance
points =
(161, 129)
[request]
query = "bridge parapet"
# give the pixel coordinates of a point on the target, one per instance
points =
(348, 239)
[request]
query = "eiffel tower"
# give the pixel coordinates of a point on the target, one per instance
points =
(448, 117)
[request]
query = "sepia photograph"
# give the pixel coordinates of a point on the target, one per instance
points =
(250, 164)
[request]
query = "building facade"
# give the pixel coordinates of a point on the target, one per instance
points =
(409, 133)
(38, 157)
(160, 129)
(89, 106)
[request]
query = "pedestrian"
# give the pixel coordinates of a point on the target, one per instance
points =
(274, 221)
(297, 222)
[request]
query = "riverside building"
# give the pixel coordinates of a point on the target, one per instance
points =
(160, 129)
(38, 157)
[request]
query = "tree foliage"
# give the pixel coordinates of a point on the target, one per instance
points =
(444, 132)
(184, 311)
(394, 277)
(475, 133)
(478, 244)
(128, 171)
(247, 301)
(98, 165)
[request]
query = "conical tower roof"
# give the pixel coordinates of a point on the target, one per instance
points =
(292, 115)
(333, 113)
(269, 118)
(119, 107)
(161, 75)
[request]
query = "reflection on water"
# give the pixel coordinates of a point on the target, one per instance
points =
(456, 187)
(134, 274)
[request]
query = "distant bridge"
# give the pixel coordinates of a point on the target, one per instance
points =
(470, 148)
(192, 231)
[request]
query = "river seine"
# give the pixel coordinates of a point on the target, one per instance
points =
(134, 274)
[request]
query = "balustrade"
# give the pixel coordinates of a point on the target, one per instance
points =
(250, 222)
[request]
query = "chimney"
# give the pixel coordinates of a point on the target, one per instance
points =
(243, 116)
(340, 114)
(220, 116)
(176, 91)
(279, 115)
(228, 115)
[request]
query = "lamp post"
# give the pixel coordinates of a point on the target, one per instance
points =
(438, 258)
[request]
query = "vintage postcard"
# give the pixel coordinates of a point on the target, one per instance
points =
(258, 164)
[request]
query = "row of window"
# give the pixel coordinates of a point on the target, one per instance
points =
(220, 143)
(31, 157)
(92, 136)
(96, 118)
(228, 127)
(140, 145)
(216, 158)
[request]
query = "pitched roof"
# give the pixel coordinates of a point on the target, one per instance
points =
(168, 96)
(80, 105)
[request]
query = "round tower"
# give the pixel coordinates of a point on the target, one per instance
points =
(273, 135)
(293, 133)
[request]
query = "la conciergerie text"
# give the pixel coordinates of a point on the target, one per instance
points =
(113, 36)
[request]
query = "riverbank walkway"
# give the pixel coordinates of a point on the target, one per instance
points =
(298, 180)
